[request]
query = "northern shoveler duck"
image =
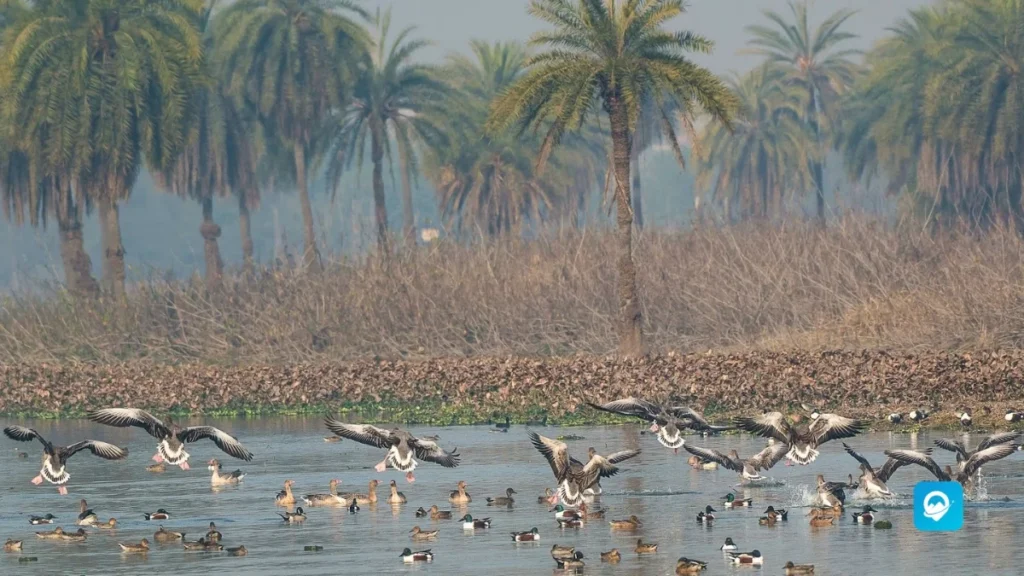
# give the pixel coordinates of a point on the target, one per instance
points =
(612, 556)
(353, 507)
(171, 436)
(688, 566)
(86, 517)
(729, 546)
(408, 556)
(667, 422)
(546, 497)
(753, 557)
(780, 514)
(285, 496)
(160, 514)
(645, 547)
(503, 427)
(798, 569)
(707, 515)
(141, 548)
(965, 418)
(562, 552)
(531, 536)
(396, 497)
(37, 520)
(421, 512)
(437, 514)
(803, 439)
(631, 523)
(157, 468)
(369, 498)
(54, 534)
(459, 495)
(831, 493)
(822, 521)
(403, 448)
(574, 562)
(218, 479)
(1014, 416)
(967, 468)
(55, 458)
(77, 536)
(917, 415)
(293, 517)
(417, 534)
(872, 480)
(895, 418)
(239, 551)
(865, 516)
(330, 499)
(468, 523)
(165, 535)
(574, 477)
(698, 463)
(747, 469)
(12, 545)
(110, 524)
(569, 523)
(506, 500)
(731, 501)
(213, 535)
(563, 513)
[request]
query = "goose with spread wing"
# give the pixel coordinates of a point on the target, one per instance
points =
(171, 436)
(55, 458)
(965, 475)
(748, 468)
(803, 439)
(668, 423)
(872, 480)
(573, 476)
(963, 454)
(403, 448)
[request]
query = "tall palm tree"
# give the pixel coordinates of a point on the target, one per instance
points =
(393, 98)
(611, 55)
(815, 61)
(288, 61)
(93, 118)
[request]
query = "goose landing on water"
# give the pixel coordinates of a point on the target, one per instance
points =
(403, 448)
(55, 458)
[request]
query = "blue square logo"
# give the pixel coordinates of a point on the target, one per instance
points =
(938, 506)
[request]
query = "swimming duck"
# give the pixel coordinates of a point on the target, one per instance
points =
(872, 480)
(213, 535)
(895, 418)
(12, 545)
(403, 447)
(698, 463)
(822, 521)
(531, 536)
(589, 514)
(332, 439)
(408, 556)
(748, 469)
(157, 468)
(826, 512)
(396, 497)
(76, 536)
(798, 569)
(160, 514)
(753, 557)
(418, 534)
(967, 468)
(729, 546)
(499, 427)
(562, 552)
(546, 497)
(865, 516)
(141, 548)
(37, 520)
(171, 436)
(369, 498)
(965, 418)
(203, 545)
(505, 500)
(563, 513)
(21, 455)
(631, 523)
(285, 496)
(421, 512)
(612, 556)
(574, 562)
(574, 477)
(239, 551)
(353, 507)
(766, 521)
(86, 517)
(831, 493)
(330, 499)
(707, 515)
(687, 566)
(731, 501)
(55, 458)
(459, 495)
(803, 439)
(164, 535)
(645, 548)
(468, 523)
(436, 514)
(780, 514)
(54, 534)
(564, 523)
(110, 524)
(667, 422)
(293, 517)
(218, 479)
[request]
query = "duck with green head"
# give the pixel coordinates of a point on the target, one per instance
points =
(706, 515)
(468, 523)
(731, 501)
(408, 556)
(574, 562)
(563, 513)
(688, 566)
(865, 516)
(531, 536)
(753, 557)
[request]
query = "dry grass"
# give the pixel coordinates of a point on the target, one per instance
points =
(857, 284)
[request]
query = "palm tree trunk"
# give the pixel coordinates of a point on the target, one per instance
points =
(245, 229)
(113, 249)
(817, 170)
(210, 232)
(408, 217)
(631, 336)
(638, 200)
(380, 209)
(77, 264)
(310, 256)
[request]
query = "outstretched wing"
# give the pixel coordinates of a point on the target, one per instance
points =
(606, 466)
(125, 417)
(833, 427)
(987, 455)
(362, 433)
(695, 420)
(919, 458)
(892, 465)
(858, 457)
(556, 452)
(226, 442)
(996, 439)
(22, 434)
(953, 446)
(101, 449)
(769, 456)
(431, 452)
(630, 407)
(770, 425)
(709, 455)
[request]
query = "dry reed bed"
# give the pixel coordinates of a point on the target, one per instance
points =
(855, 285)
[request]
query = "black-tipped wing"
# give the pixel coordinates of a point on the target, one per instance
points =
(919, 458)
(630, 407)
(709, 455)
(362, 433)
(892, 465)
(606, 466)
(770, 425)
(125, 417)
(431, 452)
(996, 439)
(987, 455)
(953, 446)
(695, 420)
(857, 456)
(23, 434)
(769, 456)
(101, 449)
(833, 427)
(226, 442)
(556, 452)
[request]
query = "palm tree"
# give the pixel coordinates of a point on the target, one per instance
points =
(88, 122)
(288, 61)
(611, 55)
(817, 64)
(393, 98)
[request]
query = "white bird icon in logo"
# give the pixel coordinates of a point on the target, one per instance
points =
(938, 508)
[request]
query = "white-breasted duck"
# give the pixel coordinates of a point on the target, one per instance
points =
(171, 436)
(408, 556)
(965, 418)
(396, 497)
(37, 520)
(563, 513)
(573, 562)
(1014, 416)
(403, 448)
(469, 523)
(160, 514)
(55, 458)
(531, 536)
(865, 516)
(86, 517)
(731, 501)
(573, 476)
(707, 515)
(330, 499)
(780, 514)
(753, 557)
(917, 415)
(667, 422)
(506, 500)
(895, 418)
(748, 468)
(803, 439)
(872, 480)
(296, 517)
(729, 546)
(218, 479)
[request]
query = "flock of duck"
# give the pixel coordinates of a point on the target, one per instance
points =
(578, 483)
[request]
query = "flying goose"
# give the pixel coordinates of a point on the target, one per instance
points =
(403, 447)
(963, 454)
(803, 438)
(666, 422)
(965, 475)
(573, 476)
(55, 458)
(747, 468)
(872, 480)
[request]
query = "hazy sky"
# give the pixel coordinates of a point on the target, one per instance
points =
(450, 24)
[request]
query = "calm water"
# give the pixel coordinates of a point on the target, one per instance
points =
(657, 486)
